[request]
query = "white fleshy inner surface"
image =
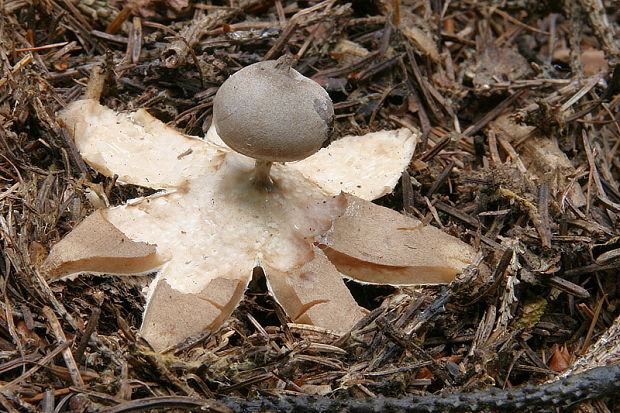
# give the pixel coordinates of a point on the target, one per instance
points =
(140, 149)
(222, 224)
(367, 166)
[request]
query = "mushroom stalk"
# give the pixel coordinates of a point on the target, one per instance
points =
(260, 176)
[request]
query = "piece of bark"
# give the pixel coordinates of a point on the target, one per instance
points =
(418, 32)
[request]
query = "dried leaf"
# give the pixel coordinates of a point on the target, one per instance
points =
(542, 156)
(498, 63)
(348, 52)
(560, 359)
(422, 41)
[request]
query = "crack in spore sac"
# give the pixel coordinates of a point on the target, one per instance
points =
(325, 112)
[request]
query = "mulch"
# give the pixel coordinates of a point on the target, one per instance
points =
(517, 104)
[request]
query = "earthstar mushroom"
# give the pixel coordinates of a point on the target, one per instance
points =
(210, 224)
